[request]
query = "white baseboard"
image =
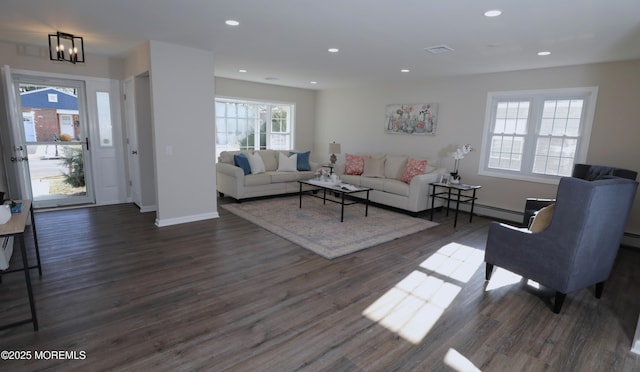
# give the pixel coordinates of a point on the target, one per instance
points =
(629, 239)
(147, 208)
(186, 219)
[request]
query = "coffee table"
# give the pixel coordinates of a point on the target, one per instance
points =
(339, 190)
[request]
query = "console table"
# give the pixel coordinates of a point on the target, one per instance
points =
(458, 197)
(16, 226)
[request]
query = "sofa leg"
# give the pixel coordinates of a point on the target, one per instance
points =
(559, 301)
(488, 271)
(599, 288)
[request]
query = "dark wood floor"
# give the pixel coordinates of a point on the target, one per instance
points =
(225, 294)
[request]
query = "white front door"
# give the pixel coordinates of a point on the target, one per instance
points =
(36, 164)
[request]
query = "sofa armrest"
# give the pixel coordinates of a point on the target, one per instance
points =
(229, 170)
(419, 190)
(230, 180)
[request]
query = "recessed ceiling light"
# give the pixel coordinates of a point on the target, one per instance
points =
(333, 50)
(242, 70)
(231, 22)
(492, 13)
(313, 82)
(405, 70)
(544, 53)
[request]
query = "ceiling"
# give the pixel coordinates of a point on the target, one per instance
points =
(285, 42)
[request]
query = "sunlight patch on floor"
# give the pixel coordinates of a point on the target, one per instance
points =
(415, 304)
(459, 362)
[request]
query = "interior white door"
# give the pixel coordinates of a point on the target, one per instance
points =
(14, 154)
(133, 157)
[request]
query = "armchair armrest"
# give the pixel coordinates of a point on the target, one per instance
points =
(536, 256)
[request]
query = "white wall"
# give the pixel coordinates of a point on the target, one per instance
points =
(182, 96)
(354, 117)
(304, 99)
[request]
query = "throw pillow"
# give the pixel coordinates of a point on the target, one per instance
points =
(256, 163)
(242, 161)
(287, 163)
(354, 164)
(542, 219)
(413, 168)
(303, 160)
(373, 167)
(394, 166)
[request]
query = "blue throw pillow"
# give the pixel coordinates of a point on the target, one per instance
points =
(242, 161)
(303, 160)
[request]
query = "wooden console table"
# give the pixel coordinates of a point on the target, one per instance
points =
(16, 227)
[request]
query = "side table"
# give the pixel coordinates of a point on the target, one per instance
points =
(458, 197)
(16, 226)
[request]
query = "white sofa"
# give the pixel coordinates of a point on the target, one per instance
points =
(232, 181)
(384, 177)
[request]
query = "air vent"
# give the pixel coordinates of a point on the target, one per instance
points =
(439, 49)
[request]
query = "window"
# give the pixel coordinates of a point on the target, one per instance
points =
(537, 135)
(242, 125)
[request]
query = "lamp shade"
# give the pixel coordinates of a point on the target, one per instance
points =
(334, 148)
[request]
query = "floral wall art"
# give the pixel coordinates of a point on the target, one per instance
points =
(413, 118)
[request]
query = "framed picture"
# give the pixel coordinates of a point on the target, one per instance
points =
(444, 178)
(412, 118)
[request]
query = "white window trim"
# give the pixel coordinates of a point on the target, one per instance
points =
(589, 94)
(291, 132)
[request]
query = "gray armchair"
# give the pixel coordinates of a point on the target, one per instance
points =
(587, 172)
(579, 246)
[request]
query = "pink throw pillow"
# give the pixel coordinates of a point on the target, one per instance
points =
(414, 167)
(354, 165)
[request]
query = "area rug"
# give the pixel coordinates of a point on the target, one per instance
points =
(317, 227)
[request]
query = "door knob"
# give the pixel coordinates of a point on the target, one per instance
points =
(134, 152)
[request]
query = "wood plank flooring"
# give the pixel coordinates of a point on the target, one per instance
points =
(225, 294)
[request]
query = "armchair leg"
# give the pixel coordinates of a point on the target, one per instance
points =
(488, 271)
(599, 288)
(558, 303)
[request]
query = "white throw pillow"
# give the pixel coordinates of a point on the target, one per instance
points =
(256, 163)
(287, 163)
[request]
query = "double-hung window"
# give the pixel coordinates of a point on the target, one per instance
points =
(537, 135)
(250, 125)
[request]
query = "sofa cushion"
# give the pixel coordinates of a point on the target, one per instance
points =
(413, 168)
(350, 179)
(395, 187)
(354, 164)
(373, 167)
(226, 157)
(394, 166)
(242, 161)
(287, 163)
(374, 183)
(257, 179)
(256, 163)
(303, 160)
(270, 159)
(278, 177)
